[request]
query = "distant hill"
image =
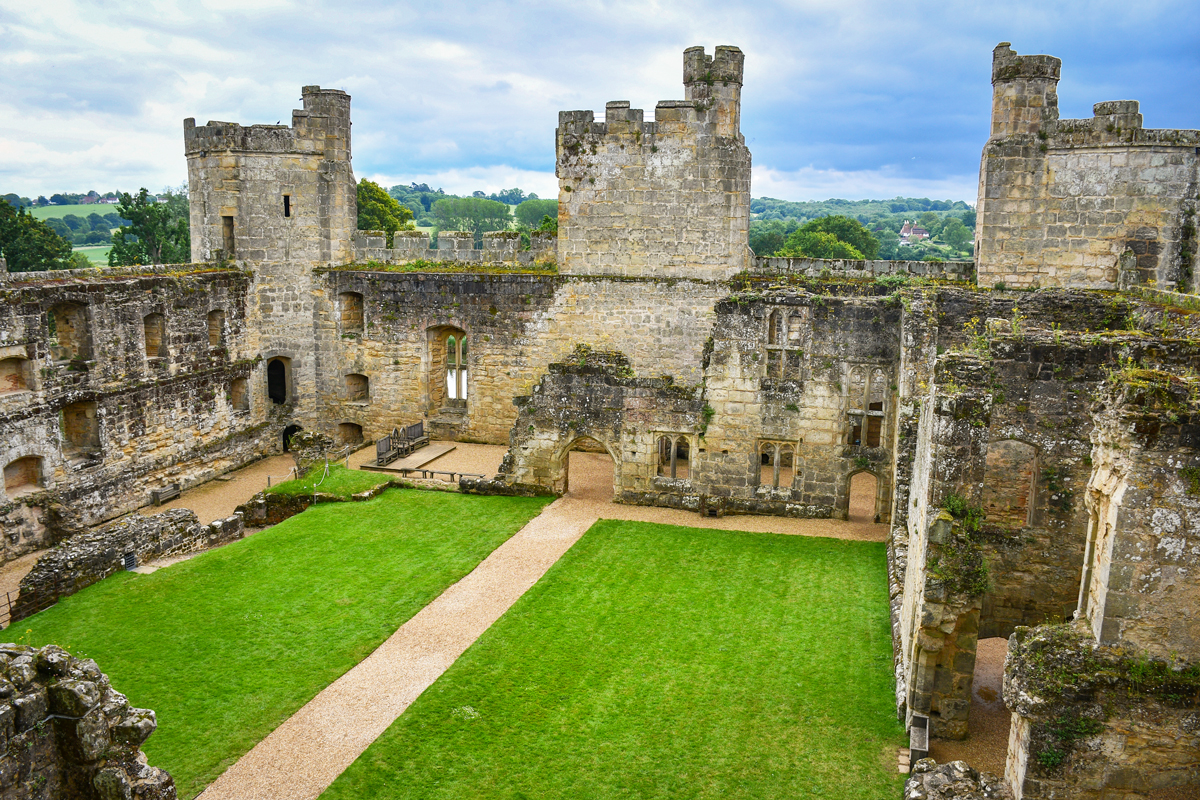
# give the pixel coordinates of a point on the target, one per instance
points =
(767, 208)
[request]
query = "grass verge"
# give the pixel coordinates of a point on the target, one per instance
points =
(657, 661)
(340, 481)
(226, 646)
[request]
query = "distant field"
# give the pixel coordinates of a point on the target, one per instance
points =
(97, 254)
(47, 212)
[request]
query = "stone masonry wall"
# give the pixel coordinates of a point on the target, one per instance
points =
(103, 420)
(668, 198)
(65, 732)
(92, 556)
(1061, 201)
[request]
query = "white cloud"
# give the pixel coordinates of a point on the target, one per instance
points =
(864, 184)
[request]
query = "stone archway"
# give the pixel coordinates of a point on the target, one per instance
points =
(594, 468)
(863, 505)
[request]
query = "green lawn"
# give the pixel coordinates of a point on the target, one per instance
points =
(97, 254)
(665, 662)
(227, 645)
(79, 210)
(340, 481)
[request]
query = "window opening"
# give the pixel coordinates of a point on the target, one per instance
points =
(239, 395)
(12, 375)
(674, 457)
(777, 465)
(154, 326)
(277, 381)
(358, 388)
(287, 205)
(23, 475)
(227, 239)
(81, 429)
(350, 433)
(351, 311)
(216, 328)
(67, 332)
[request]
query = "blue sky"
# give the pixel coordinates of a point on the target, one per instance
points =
(853, 98)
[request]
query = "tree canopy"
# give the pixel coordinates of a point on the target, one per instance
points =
(379, 211)
(29, 245)
(475, 214)
(831, 237)
(530, 212)
(157, 233)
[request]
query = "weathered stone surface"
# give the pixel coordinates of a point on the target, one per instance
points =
(73, 735)
(954, 781)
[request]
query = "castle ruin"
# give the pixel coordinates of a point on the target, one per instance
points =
(1053, 435)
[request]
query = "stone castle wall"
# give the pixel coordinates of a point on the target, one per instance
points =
(1062, 201)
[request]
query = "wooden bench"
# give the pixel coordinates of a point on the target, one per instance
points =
(400, 443)
(161, 496)
(385, 452)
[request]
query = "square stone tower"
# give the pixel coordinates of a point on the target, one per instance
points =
(666, 198)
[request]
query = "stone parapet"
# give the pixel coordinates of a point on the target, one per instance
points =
(500, 249)
(842, 268)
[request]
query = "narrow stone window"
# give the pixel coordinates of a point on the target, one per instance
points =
(80, 428)
(856, 429)
(239, 395)
(447, 369)
(456, 367)
(878, 386)
(227, 237)
(350, 433)
(775, 328)
(23, 476)
(278, 378)
(12, 375)
(777, 465)
(216, 328)
(351, 307)
(155, 329)
(287, 205)
(67, 329)
(357, 388)
(674, 457)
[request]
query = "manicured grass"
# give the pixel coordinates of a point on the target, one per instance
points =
(657, 661)
(79, 210)
(97, 255)
(227, 645)
(340, 481)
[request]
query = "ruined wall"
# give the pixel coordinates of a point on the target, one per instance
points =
(1060, 201)
(92, 556)
(129, 378)
(789, 369)
(1096, 722)
(499, 249)
(66, 732)
(515, 326)
(668, 198)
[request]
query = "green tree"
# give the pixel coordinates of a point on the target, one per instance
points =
(955, 233)
(475, 214)
(379, 211)
(927, 221)
(157, 232)
(28, 245)
(530, 212)
(843, 229)
(818, 244)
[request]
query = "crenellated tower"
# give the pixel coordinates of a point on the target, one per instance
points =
(668, 198)
(1024, 91)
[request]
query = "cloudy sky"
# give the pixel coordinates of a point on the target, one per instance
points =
(842, 98)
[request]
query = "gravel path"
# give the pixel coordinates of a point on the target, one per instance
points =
(986, 745)
(219, 497)
(306, 753)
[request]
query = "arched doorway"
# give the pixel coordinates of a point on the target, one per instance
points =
(864, 494)
(277, 380)
(288, 433)
(588, 470)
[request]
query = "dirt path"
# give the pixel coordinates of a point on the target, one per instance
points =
(307, 752)
(986, 745)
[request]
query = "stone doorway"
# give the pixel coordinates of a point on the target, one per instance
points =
(864, 498)
(588, 471)
(986, 745)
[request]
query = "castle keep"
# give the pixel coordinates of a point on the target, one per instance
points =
(1053, 435)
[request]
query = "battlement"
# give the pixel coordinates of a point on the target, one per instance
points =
(1008, 65)
(725, 65)
(500, 248)
(320, 126)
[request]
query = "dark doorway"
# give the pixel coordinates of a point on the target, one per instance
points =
(288, 433)
(277, 381)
